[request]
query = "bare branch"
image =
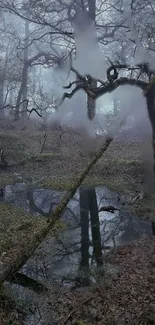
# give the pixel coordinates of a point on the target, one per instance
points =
(106, 88)
(70, 95)
(109, 87)
(27, 110)
(71, 84)
(34, 110)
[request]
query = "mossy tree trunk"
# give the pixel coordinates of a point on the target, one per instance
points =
(28, 251)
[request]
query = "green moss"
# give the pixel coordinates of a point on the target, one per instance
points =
(60, 184)
(44, 156)
(120, 161)
(102, 175)
(121, 175)
(145, 207)
(59, 225)
(118, 186)
(7, 178)
(41, 158)
(17, 230)
(8, 136)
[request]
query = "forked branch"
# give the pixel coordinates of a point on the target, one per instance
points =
(110, 85)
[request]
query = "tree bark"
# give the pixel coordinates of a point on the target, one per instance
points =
(26, 57)
(84, 221)
(2, 84)
(1, 97)
(150, 99)
(21, 90)
(153, 228)
(95, 227)
(91, 102)
(22, 94)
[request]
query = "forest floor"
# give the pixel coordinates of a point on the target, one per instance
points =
(64, 157)
(128, 296)
(125, 298)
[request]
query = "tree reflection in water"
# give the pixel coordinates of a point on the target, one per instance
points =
(89, 214)
(95, 222)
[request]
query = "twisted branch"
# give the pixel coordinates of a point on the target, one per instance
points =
(107, 88)
(110, 85)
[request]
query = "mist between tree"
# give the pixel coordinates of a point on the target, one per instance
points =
(66, 79)
(77, 111)
(89, 60)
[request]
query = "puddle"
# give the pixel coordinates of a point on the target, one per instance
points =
(75, 256)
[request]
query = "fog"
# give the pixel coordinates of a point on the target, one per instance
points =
(73, 111)
(141, 54)
(89, 58)
(54, 54)
(77, 133)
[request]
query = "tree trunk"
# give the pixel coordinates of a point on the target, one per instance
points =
(150, 98)
(153, 228)
(26, 54)
(84, 220)
(21, 90)
(95, 227)
(2, 84)
(11, 97)
(91, 102)
(92, 8)
(22, 94)
(2, 97)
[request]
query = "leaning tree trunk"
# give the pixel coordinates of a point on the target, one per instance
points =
(28, 251)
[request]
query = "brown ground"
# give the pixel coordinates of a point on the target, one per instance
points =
(64, 157)
(128, 298)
